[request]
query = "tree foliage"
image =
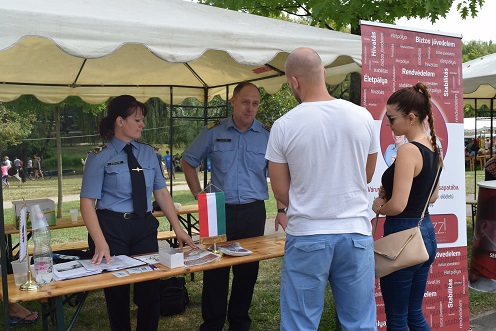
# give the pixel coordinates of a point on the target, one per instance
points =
(339, 14)
(13, 127)
(474, 49)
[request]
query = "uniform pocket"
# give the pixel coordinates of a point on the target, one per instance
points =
(256, 158)
(223, 155)
(117, 176)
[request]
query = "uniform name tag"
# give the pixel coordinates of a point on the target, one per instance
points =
(115, 163)
(225, 140)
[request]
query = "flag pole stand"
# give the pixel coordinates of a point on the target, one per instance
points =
(213, 241)
(30, 284)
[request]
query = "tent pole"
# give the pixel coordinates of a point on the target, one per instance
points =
(3, 250)
(475, 160)
(171, 137)
(205, 122)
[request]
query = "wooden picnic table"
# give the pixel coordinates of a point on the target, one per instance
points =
(264, 247)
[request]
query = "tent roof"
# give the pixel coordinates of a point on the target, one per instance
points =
(479, 80)
(94, 49)
(483, 123)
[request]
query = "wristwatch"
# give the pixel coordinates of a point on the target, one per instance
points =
(282, 210)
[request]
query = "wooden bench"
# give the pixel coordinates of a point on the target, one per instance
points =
(471, 162)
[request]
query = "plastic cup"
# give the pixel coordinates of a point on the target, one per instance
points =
(74, 215)
(20, 271)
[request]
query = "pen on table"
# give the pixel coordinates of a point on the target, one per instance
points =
(153, 267)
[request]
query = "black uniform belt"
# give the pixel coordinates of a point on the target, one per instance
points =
(126, 216)
(244, 205)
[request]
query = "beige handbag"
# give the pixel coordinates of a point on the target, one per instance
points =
(401, 249)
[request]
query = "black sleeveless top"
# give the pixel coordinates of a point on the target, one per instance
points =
(421, 185)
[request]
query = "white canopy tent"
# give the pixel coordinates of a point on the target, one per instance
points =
(479, 81)
(171, 49)
(92, 49)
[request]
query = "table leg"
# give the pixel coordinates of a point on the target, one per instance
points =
(474, 213)
(53, 308)
(59, 309)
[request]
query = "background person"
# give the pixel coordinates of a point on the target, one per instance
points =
(5, 176)
(391, 150)
(490, 169)
(17, 164)
(328, 234)
(30, 170)
(38, 173)
(117, 226)
(237, 147)
(405, 189)
(168, 162)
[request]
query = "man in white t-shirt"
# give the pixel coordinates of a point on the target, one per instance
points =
(328, 228)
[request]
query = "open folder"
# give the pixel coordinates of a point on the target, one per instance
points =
(81, 268)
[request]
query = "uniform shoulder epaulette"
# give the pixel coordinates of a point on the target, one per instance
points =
(99, 149)
(141, 142)
(211, 125)
(266, 127)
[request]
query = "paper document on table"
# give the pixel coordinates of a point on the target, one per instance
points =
(118, 262)
(148, 259)
(70, 270)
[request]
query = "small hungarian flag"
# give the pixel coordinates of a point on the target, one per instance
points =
(212, 212)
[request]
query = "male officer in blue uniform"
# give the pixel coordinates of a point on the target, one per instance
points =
(237, 148)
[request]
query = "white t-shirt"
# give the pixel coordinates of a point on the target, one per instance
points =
(326, 145)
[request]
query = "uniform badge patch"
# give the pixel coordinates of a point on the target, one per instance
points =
(115, 163)
(211, 125)
(99, 149)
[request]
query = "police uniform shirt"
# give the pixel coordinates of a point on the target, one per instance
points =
(106, 175)
(239, 167)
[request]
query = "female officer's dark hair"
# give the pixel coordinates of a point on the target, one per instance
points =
(123, 106)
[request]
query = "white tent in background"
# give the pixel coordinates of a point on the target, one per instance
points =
(479, 81)
(483, 125)
(170, 49)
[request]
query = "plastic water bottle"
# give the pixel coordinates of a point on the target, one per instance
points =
(42, 253)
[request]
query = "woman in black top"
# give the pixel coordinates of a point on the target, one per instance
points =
(406, 185)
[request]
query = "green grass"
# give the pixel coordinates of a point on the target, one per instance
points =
(265, 307)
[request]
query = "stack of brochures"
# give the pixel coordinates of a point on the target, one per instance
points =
(199, 256)
(234, 249)
(81, 268)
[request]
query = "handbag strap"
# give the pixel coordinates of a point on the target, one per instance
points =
(425, 208)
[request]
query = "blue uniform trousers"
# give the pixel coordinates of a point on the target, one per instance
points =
(131, 237)
(242, 221)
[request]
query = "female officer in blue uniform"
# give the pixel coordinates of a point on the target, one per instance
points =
(115, 228)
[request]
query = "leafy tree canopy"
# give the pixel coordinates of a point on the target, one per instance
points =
(474, 49)
(13, 127)
(338, 14)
